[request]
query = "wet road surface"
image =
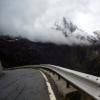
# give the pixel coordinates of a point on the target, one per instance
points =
(23, 84)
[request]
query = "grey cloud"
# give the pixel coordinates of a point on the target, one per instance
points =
(34, 18)
(18, 15)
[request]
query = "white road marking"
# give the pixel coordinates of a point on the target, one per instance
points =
(50, 90)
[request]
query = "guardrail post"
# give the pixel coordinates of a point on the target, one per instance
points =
(53, 73)
(58, 77)
(67, 84)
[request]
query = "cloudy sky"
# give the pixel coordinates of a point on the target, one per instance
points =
(34, 19)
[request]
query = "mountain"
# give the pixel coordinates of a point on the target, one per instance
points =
(69, 30)
(18, 51)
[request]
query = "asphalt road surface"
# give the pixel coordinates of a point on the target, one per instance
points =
(23, 84)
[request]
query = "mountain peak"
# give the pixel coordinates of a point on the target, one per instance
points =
(68, 29)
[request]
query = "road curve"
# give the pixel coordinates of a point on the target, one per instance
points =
(23, 84)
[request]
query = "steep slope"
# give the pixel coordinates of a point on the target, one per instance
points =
(20, 51)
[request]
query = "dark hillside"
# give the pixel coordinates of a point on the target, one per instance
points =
(19, 51)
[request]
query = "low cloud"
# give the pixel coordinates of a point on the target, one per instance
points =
(34, 19)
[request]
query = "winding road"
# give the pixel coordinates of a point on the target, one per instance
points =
(23, 84)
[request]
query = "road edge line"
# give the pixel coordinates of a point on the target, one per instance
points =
(50, 90)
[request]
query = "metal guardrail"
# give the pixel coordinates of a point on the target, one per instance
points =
(87, 83)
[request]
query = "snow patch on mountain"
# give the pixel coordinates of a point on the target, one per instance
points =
(75, 34)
